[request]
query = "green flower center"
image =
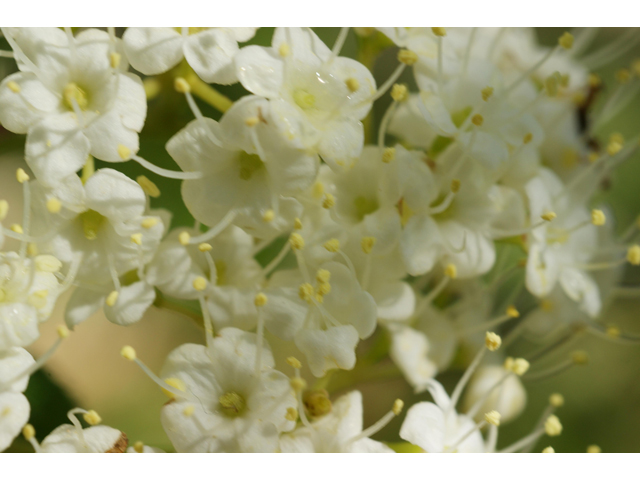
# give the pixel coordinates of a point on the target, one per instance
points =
(232, 404)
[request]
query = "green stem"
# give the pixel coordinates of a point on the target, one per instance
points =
(208, 94)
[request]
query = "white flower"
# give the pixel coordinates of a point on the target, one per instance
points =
(28, 291)
(561, 250)
(247, 175)
(226, 406)
(233, 282)
(325, 320)
(103, 222)
(437, 427)
(337, 432)
(209, 51)
(74, 439)
(317, 99)
(14, 407)
(71, 99)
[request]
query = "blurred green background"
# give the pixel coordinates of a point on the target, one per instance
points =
(602, 399)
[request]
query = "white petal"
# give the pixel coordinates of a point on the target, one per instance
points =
(114, 195)
(341, 143)
(260, 70)
(424, 426)
(82, 304)
(19, 111)
(581, 288)
(15, 414)
(327, 349)
(132, 302)
(18, 325)
(153, 50)
(210, 54)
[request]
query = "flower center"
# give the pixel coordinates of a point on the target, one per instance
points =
(91, 223)
(365, 206)
(304, 99)
(232, 404)
(249, 164)
(73, 92)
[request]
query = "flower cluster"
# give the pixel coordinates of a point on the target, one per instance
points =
(470, 202)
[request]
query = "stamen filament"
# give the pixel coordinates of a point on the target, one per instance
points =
(163, 172)
(215, 230)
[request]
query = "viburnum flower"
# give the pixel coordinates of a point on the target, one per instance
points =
(317, 98)
(72, 97)
(248, 180)
(13, 404)
(234, 276)
(326, 319)
(28, 291)
(339, 431)
(233, 401)
(208, 50)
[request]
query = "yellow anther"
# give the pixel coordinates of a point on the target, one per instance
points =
(4, 209)
(54, 205)
(48, 263)
(28, 431)
(296, 241)
(407, 57)
(328, 201)
(148, 186)
(284, 50)
(594, 80)
(148, 223)
(548, 450)
(136, 238)
(367, 244)
(251, 121)
(175, 383)
(323, 276)
(399, 92)
(32, 249)
(112, 298)
(623, 76)
(566, 41)
(114, 59)
(260, 300)
(455, 185)
(92, 417)
(138, 447)
(17, 228)
(388, 155)
(548, 216)
(291, 415)
(14, 87)
(613, 331)
(317, 403)
(398, 405)
(352, 84)
(128, 352)
(184, 238)
(318, 189)
(512, 312)
(451, 271)
(556, 400)
(63, 331)
(594, 449)
(493, 418)
(152, 87)
(332, 245)
(492, 341)
(298, 384)
(508, 363)
(552, 426)
(294, 362)
(188, 410)
(477, 120)
(297, 224)
(527, 138)
(580, 358)
(124, 152)
(551, 85)
(323, 289)
(181, 85)
(633, 255)
(199, 283)
(22, 176)
(486, 92)
(616, 137)
(520, 366)
(439, 31)
(74, 96)
(614, 146)
(598, 217)
(268, 216)
(205, 247)
(306, 292)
